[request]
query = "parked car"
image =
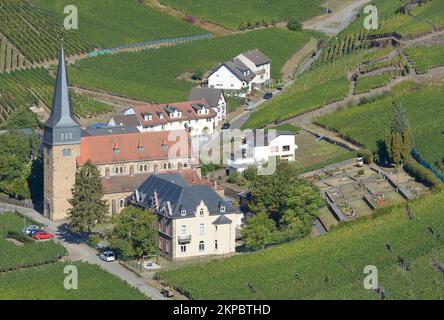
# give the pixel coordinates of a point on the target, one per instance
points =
(42, 235)
(226, 126)
(27, 230)
(167, 292)
(268, 95)
(108, 256)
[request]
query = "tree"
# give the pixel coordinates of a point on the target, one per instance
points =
(399, 142)
(258, 231)
(88, 208)
(134, 233)
(294, 25)
(198, 73)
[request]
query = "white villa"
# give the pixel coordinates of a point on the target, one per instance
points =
(257, 148)
(248, 70)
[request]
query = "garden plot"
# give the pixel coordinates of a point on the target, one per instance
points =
(358, 191)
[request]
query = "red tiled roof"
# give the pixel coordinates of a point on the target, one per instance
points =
(134, 147)
(188, 112)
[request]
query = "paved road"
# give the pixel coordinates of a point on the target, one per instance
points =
(81, 252)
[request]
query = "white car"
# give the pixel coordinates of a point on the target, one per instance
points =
(108, 256)
(27, 230)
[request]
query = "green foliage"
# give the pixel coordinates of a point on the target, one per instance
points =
(88, 208)
(233, 177)
(234, 15)
(258, 231)
(399, 142)
(134, 233)
(366, 84)
(369, 123)
(425, 58)
(331, 266)
(209, 167)
(422, 175)
(46, 283)
(36, 33)
(31, 253)
(294, 25)
(366, 155)
(323, 84)
(113, 23)
(125, 73)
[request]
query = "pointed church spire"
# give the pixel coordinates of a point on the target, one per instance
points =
(62, 116)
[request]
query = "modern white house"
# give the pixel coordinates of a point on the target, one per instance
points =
(247, 71)
(257, 148)
(215, 99)
(197, 117)
(193, 219)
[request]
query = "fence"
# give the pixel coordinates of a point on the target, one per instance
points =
(149, 43)
(417, 156)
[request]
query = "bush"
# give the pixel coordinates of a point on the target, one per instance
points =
(294, 25)
(233, 177)
(190, 19)
(17, 235)
(422, 175)
(93, 240)
(366, 155)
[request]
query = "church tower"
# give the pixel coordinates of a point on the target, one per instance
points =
(61, 147)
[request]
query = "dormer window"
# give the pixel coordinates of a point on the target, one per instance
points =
(147, 117)
(116, 150)
(160, 115)
(140, 148)
(201, 212)
(183, 212)
(222, 208)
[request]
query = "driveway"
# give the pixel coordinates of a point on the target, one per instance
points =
(78, 251)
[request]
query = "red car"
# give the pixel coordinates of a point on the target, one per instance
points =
(41, 235)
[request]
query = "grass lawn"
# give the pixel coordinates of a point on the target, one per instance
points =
(151, 74)
(110, 23)
(332, 266)
(231, 13)
(46, 283)
(370, 122)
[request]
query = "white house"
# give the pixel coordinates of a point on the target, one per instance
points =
(248, 70)
(194, 220)
(215, 99)
(257, 148)
(195, 116)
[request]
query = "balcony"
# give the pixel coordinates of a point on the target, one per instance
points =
(184, 238)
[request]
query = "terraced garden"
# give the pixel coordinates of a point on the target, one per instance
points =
(325, 83)
(231, 14)
(111, 23)
(369, 123)
(365, 84)
(37, 34)
(152, 74)
(408, 253)
(425, 58)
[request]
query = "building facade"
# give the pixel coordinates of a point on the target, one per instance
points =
(215, 98)
(194, 220)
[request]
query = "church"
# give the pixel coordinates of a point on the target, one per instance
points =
(125, 157)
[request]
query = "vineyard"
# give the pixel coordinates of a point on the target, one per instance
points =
(31, 253)
(37, 34)
(112, 23)
(250, 12)
(325, 83)
(425, 58)
(153, 74)
(46, 283)
(369, 123)
(404, 243)
(365, 84)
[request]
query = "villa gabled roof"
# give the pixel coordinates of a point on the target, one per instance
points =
(257, 57)
(210, 95)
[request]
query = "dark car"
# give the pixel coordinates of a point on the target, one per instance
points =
(268, 95)
(225, 126)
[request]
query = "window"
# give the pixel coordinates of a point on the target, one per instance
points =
(201, 246)
(286, 148)
(140, 168)
(145, 167)
(169, 165)
(215, 245)
(165, 165)
(66, 152)
(201, 212)
(215, 227)
(183, 249)
(183, 230)
(122, 203)
(185, 164)
(201, 229)
(222, 208)
(183, 212)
